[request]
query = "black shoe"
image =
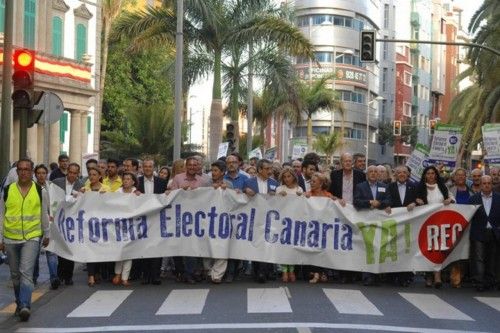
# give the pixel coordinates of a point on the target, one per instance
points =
(146, 281)
(229, 278)
(156, 282)
(189, 279)
(404, 283)
(480, 288)
(369, 281)
(261, 278)
(16, 313)
(24, 314)
(438, 285)
(54, 284)
(69, 282)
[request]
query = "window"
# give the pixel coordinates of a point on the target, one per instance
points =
(384, 79)
(322, 19)
(323, 56)
(348, 59)
(406, 109)
(2, 15)
(386, 16)
(303, 21)
(407, 78)
(57, 36)
(384, 108)
(89, 124)
(385, 49)
(29, 23)
(81, 42)
(352, 96)
(356, 133)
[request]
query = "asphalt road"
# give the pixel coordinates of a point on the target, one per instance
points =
(245, 306)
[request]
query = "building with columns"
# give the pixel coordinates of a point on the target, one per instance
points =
(66, 36)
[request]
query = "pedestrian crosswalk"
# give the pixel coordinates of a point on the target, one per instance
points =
(103, 303)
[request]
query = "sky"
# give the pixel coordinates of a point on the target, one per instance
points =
(200, 95)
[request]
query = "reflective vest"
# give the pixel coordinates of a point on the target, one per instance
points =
(22, 220)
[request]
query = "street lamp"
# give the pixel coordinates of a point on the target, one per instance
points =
(376, 99)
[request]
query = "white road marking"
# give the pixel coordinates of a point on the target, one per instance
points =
(102, 303)
(267, 300)
(234, 326)
(434, 307)
(351, 301)
(184, 301)
(493, 302)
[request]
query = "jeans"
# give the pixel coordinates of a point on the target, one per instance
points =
(52, 264)
(22, 259)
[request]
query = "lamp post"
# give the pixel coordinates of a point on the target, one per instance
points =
(376, 99)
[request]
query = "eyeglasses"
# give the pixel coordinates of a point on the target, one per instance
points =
(23, 170)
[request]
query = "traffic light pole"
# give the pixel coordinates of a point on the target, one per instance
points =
(6, 112)
(411, 41)
(23, 132)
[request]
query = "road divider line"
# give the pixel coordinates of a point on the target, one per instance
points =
(238, 326)
(351, 301)
(493, 302)
(267, 300)
(102, 303)
(184, 301)
(434, 307)
(35, 296)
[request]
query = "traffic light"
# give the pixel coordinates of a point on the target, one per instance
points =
(432, 125)
(396, 128)
(367, 46)
(231, 137)
(23, 78)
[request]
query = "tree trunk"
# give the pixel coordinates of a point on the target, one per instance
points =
(309, 133)
(216, 109)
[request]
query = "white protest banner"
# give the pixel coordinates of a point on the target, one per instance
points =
(418, 161)
(270, 154)
(445, 145)
(223, 147)
(299, 151)
(287, 230)
(491, 143)
(56, 197)
(256, 153)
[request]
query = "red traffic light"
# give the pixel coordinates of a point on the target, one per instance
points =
(24, 59)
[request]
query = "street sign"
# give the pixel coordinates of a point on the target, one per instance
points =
(52, 107)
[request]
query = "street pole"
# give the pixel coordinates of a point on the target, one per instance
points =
(179, 45)
(6, 117)
(250, 99)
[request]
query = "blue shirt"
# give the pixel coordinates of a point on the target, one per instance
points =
(238, 182)
(462, 197)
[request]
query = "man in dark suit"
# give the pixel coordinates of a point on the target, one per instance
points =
(264, 184)
(485, 235)
(149, 184)
(371, 194)
(342, 185)
(403, 193)
(344, 181)
(70, 185)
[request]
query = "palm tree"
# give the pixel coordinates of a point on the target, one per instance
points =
(110, 11)
(328, 144)
(316, 97)
(214, 26)
(479, 103)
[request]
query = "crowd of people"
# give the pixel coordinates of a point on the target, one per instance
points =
(25, 220)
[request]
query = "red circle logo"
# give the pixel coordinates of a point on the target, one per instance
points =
(439, 234)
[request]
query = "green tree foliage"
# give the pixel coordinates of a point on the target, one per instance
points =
(327, 144)
(479, 103)
(409, 134)
(138, 103)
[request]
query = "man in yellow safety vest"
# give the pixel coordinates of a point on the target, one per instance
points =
(24, 221)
